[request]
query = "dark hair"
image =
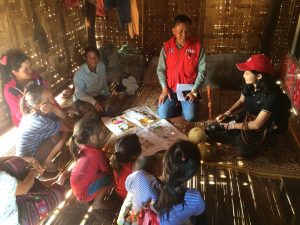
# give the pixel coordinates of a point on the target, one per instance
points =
(150, 164)
(181, 162)
(14, 59)
(91, 49)
(83, 130)
(127, 149)
(266, 85)
(32, 96)
(181, 19)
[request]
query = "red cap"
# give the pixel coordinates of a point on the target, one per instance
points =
(258, 62)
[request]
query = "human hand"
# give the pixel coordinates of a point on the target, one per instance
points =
(36, 166)
(221, 117)
(98, 107)
(47, 108)
(229, 126)
(62, 178)
(165, 93)
(191, 96)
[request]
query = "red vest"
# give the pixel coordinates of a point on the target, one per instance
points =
(181, 65)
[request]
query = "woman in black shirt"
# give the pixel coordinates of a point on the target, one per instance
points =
(262, 99)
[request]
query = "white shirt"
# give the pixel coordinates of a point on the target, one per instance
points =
(8, 205)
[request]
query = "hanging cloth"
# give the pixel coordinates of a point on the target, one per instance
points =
(124, 14)
(133, 26)
(123, 10)
(70, 3)
(100, 8)
(110, 4)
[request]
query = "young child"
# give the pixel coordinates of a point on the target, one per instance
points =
(38, 133)
(177, 204)
(143, 188)
(92, 177)
(127, 149)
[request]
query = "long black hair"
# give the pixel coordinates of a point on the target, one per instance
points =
(127, 149)
(32, 97)
(14, 60)
(83, 130)
(181, 162)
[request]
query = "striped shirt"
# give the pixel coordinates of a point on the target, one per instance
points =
(33, 129)
(144, 187)
(194, 206)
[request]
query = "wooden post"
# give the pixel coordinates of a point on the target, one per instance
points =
(90, 23)
(64, 31)
(270, 26)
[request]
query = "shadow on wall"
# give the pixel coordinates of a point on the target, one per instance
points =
(222, 72)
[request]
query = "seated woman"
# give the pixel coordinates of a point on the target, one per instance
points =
(90, 84)
(16, 72)
(26, 201)
(38, 134)
(262, 100)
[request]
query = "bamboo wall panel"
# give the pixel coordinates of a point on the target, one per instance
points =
(225, 26)
(285, 29)
(65, 35)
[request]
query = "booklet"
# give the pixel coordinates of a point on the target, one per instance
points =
(142, 116)
(155, 134)
(119, 125)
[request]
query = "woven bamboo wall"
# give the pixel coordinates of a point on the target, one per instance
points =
(225, 26)
(66, 43)
(285, 30)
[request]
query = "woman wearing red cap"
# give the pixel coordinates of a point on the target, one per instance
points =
(262, 100)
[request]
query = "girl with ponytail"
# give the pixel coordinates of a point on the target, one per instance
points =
(91, 177)
(177, 203)
(127, 149)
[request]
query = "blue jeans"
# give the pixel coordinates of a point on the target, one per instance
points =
(169, 108)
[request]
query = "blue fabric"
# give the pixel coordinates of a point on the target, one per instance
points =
(33, 129)
(101, 182)
(89, 84)
(194, 206)
(169, 108)
(144, 187)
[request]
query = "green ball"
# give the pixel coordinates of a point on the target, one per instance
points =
(197, 135)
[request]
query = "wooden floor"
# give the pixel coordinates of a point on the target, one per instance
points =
(231, 196)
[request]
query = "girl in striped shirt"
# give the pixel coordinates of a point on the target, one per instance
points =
(39, 134)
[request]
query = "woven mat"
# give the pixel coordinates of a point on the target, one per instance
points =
(276, 161)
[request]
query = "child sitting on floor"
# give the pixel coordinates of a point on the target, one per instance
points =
(177, 204)
(92, 177)
(38, 132)
(143, 187)
(127, 149)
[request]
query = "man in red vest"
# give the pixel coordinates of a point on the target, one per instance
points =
(181, 61)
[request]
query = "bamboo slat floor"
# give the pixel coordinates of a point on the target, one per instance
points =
(231, 196)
